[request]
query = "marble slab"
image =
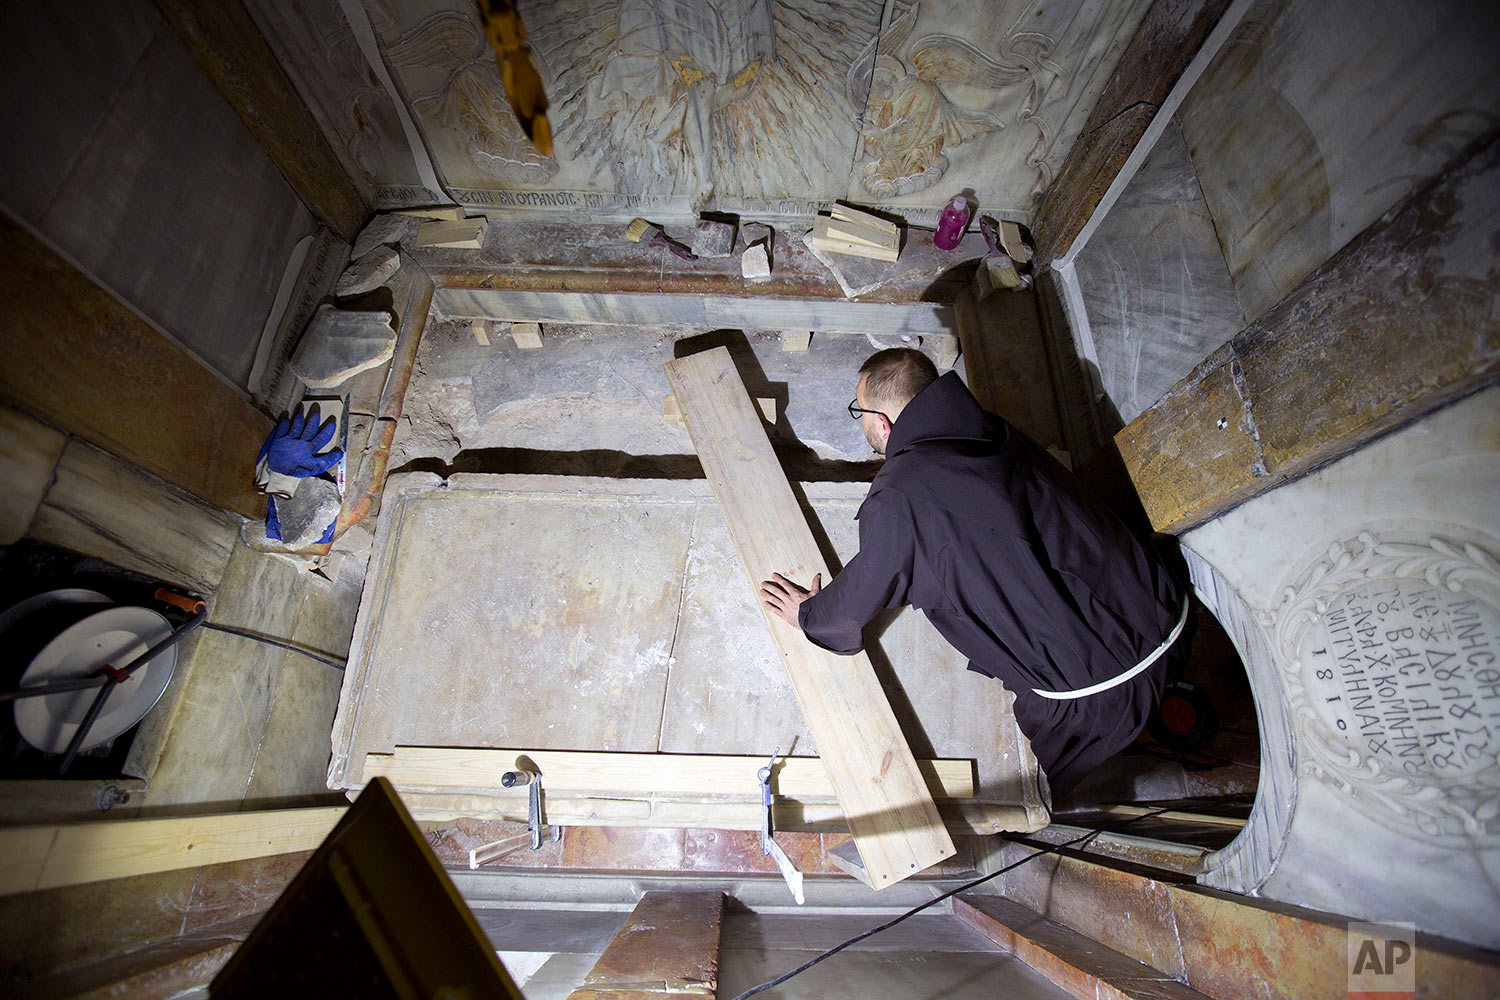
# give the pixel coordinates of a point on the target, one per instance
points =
(1154, 282)
(706, 312)
(104, 507)
(580, 613)
(29, 451)
(1318, 117)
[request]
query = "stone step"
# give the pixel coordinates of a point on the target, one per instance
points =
(1220, 943)
(1078, 964)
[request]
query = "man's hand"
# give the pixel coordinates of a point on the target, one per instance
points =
(783, 597)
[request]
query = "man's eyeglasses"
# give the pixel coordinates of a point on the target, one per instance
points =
(855, 410)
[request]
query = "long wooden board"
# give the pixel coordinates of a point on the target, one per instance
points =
(567, 771)
(890, 812)
(43, 857)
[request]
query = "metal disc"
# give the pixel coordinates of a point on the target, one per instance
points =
(114, 636)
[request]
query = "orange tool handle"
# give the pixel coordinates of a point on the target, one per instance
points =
(190, 604)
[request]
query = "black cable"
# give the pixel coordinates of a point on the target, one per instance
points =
(335, 664)
(1049, 849)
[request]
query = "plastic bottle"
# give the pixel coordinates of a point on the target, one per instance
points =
(951, 225)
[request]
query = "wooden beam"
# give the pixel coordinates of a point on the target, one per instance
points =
(80, 360)
(1392, 326)
(574, 772)
(962, 817)
(875, 777)
(1168, 38)
(44, 857)
(230, 47)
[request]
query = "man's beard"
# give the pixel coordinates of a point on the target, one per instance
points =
(875, 442)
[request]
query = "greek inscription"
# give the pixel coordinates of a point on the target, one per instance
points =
(1409, 675)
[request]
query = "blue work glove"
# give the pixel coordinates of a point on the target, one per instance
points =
(289, 451)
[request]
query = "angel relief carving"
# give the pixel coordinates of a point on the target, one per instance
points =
(471, 102)
(910, 121)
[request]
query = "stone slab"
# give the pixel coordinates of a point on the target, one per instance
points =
(670, 938)
(713, 239)
(1292, 168)
(29, 451)
(233, 52)
(341, 343)
(368, 272)
(383, 230)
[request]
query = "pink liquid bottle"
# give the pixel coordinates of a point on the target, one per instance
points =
(951, 225)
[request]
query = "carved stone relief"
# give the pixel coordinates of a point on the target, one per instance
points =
(770, 107)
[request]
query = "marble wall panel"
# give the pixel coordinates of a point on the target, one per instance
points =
(174, 205)
(51, 114)
(122, 153)
(1319, 115)
(29, 451)
(1154, 282)
(104, 507)
(1374, 585)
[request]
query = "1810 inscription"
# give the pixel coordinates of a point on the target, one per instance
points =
(1409, 675)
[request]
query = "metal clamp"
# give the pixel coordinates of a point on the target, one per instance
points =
(768, 845)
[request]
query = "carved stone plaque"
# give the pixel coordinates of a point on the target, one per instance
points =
(1391, 643)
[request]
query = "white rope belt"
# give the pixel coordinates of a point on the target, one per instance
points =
(1119, 679)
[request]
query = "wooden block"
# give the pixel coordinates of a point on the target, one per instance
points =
(43, 857)
(796, 340)
(568, 772)
(528, 336)
(673, 412)
(885, 799)
(845, 213)
(822, 241)
(443, 213)
(857, 232)
(481, 331)
(1010, 239)
(467, 234)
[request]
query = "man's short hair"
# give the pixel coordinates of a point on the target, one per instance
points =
(893, 377)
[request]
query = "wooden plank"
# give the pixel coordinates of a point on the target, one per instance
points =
(858, 232)
(527, 336)
(671, 411)
(962, 817)
(566, 771)
(847, 213)
(875, 777)
(44, 857)
(823, 241)
(443, 213)
(466, 234)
